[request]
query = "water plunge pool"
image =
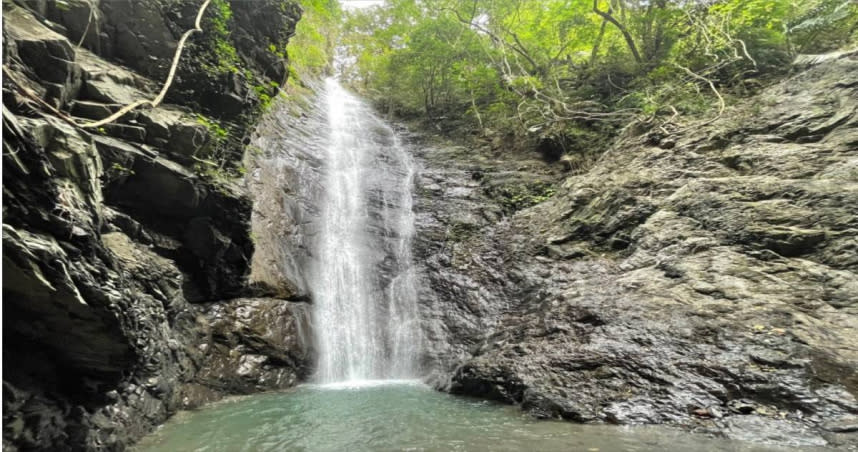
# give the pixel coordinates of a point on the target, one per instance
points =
(399, 416)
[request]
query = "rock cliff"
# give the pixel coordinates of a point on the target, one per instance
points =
(121, 242)
(706, 278)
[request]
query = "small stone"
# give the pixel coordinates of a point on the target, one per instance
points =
(741, 406)
(844, 424)
(701, 412)
(715, 412)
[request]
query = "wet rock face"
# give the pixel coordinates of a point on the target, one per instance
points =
(285, 182)
(110, 235)
(256, 344)
(710, 283)
(460, 247)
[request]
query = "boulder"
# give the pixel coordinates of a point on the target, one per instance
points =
(256, 344)
(108, 91)
(138, 34)
(176, 132)
(161, 187)
(47, 53)
(93, 110)
(43, 305)
(81, 20)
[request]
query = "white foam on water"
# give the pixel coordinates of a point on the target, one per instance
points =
(364, 384)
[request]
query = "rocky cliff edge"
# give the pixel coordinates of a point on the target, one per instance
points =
(705, 276)
(119, 242)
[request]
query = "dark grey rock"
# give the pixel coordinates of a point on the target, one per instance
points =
(844, 424)
(256, 345)
(108, 91)
(101, 343)
(706, 283)
(134, 134)
(93, 110)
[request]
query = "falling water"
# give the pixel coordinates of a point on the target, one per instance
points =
(365, 308)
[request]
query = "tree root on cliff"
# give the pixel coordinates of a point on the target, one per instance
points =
(124, 110)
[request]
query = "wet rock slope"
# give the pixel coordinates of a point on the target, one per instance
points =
(707, 279)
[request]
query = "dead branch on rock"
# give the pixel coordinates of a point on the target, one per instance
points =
(721, 103)
(88, 23)
(124, 110)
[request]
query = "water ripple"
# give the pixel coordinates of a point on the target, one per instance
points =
(404, 415)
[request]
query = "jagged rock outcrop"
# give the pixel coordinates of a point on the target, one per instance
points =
(121, 243)
(706, 279)
(257, 344)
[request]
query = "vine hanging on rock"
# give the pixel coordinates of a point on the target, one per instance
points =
(124, 110)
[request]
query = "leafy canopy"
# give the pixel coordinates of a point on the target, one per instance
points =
(555, 68)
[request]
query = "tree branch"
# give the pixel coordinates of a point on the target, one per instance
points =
(607, 15)
(519, 50)
(154, 102)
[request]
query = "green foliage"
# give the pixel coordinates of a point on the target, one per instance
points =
(217, 32)
(514, 197)
(312, 48)
(554, 68)
(214, 162)
(215, 129)
(823, 26)
(264, 98)
(117, 171)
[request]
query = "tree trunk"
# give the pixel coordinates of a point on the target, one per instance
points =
(598, 43)
(606, 15)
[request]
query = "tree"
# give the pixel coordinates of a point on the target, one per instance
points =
(555, 68)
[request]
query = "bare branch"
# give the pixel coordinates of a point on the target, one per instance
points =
(722, 105)
(154, 102)
(518, 48)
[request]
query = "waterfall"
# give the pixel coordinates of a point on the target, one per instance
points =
(363, 282)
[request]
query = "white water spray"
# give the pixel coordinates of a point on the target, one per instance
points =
(363, 284)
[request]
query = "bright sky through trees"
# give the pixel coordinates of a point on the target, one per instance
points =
(357, 4)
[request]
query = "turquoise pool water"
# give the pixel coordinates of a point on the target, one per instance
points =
(399, 416)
